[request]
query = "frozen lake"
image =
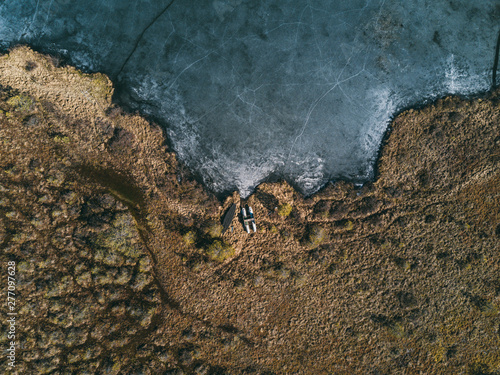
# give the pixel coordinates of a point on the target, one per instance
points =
(302, 90)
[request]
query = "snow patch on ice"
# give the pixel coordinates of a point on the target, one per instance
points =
(461, 79)
(383, 104)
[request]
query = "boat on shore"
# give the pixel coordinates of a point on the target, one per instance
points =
(248, 219)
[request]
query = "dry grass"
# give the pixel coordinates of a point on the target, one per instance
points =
(124, 268)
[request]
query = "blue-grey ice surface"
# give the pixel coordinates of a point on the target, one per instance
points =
(247, 89)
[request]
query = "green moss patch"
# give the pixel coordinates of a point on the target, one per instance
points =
(21, 103)
(284, 209)
(219, 251)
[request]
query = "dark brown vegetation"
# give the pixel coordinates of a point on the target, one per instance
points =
(123, 269)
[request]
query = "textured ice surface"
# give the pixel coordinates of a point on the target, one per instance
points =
(297, 89)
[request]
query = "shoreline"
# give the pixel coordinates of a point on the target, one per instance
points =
(65, 61)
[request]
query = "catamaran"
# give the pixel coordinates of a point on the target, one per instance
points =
(248, 219)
